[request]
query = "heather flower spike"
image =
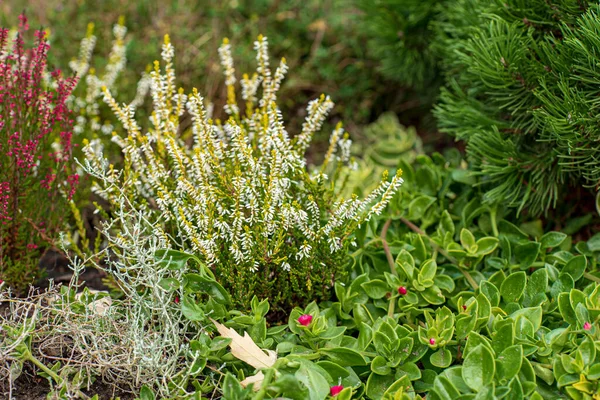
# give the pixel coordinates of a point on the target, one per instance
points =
(36, 168)
(305, 319)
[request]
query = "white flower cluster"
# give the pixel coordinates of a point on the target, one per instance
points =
(86, 107)
(240, 193)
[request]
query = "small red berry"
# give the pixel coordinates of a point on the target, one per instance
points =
(587, 326)
(335, 390)
(432, 341)
(402, 290)
(176, 300)
(305, 319)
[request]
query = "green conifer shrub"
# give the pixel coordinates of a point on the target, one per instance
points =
(520, 88)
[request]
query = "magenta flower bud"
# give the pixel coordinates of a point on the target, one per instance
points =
(432, 341)
(335, 390)
(305, 319)
(587, 326)
(176, 300)
(402, 290)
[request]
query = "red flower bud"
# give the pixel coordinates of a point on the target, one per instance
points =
(335, 390)
(587, 326)
(176, 300)
(432, 341)
(402, 290)
(464, 307)
(305, 319)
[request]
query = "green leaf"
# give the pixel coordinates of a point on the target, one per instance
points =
(552, 239)
(417, 207)
(537, 284)
(191, 310)
(444, 388)
(513, 287)
(504, 337)
(527, 253)
(428, 270)
(446, 223)
(344, 356)
(219, 343)
(575, 267)
(203, 284)
(465, 323)
(479, 368)
(169, 284)
(197, 366)
(594, 243)
(486, 245)
(509, 362)
(317, 385)
(406, 262)
(444, 282)
(574, 225)
(594, 373)
(441, 358)
(409, 369)
(531, 314)
(467, 240)
(511, 232)
(380, 366)
(378, 384)
(175, 259)
(564, 306)
(376, 289)
(232, 389)
(491, 292)
(335, 371)
(401, 386)
(146, 393)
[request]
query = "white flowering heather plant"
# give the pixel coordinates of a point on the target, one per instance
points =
(85, 101)
(240, 196)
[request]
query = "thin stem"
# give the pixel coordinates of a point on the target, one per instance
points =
(386, 247)
(493, 213)
(591, 277)
(40, 365)
(391, 307)
(443, 252)
(370, 242)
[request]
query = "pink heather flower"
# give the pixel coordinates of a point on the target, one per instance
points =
(432, 341)
(305, 319)
(402, 290)
(587, 326)
(33, 116)
(335, 390)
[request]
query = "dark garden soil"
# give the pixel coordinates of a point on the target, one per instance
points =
(28, 387)
(55, 266)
